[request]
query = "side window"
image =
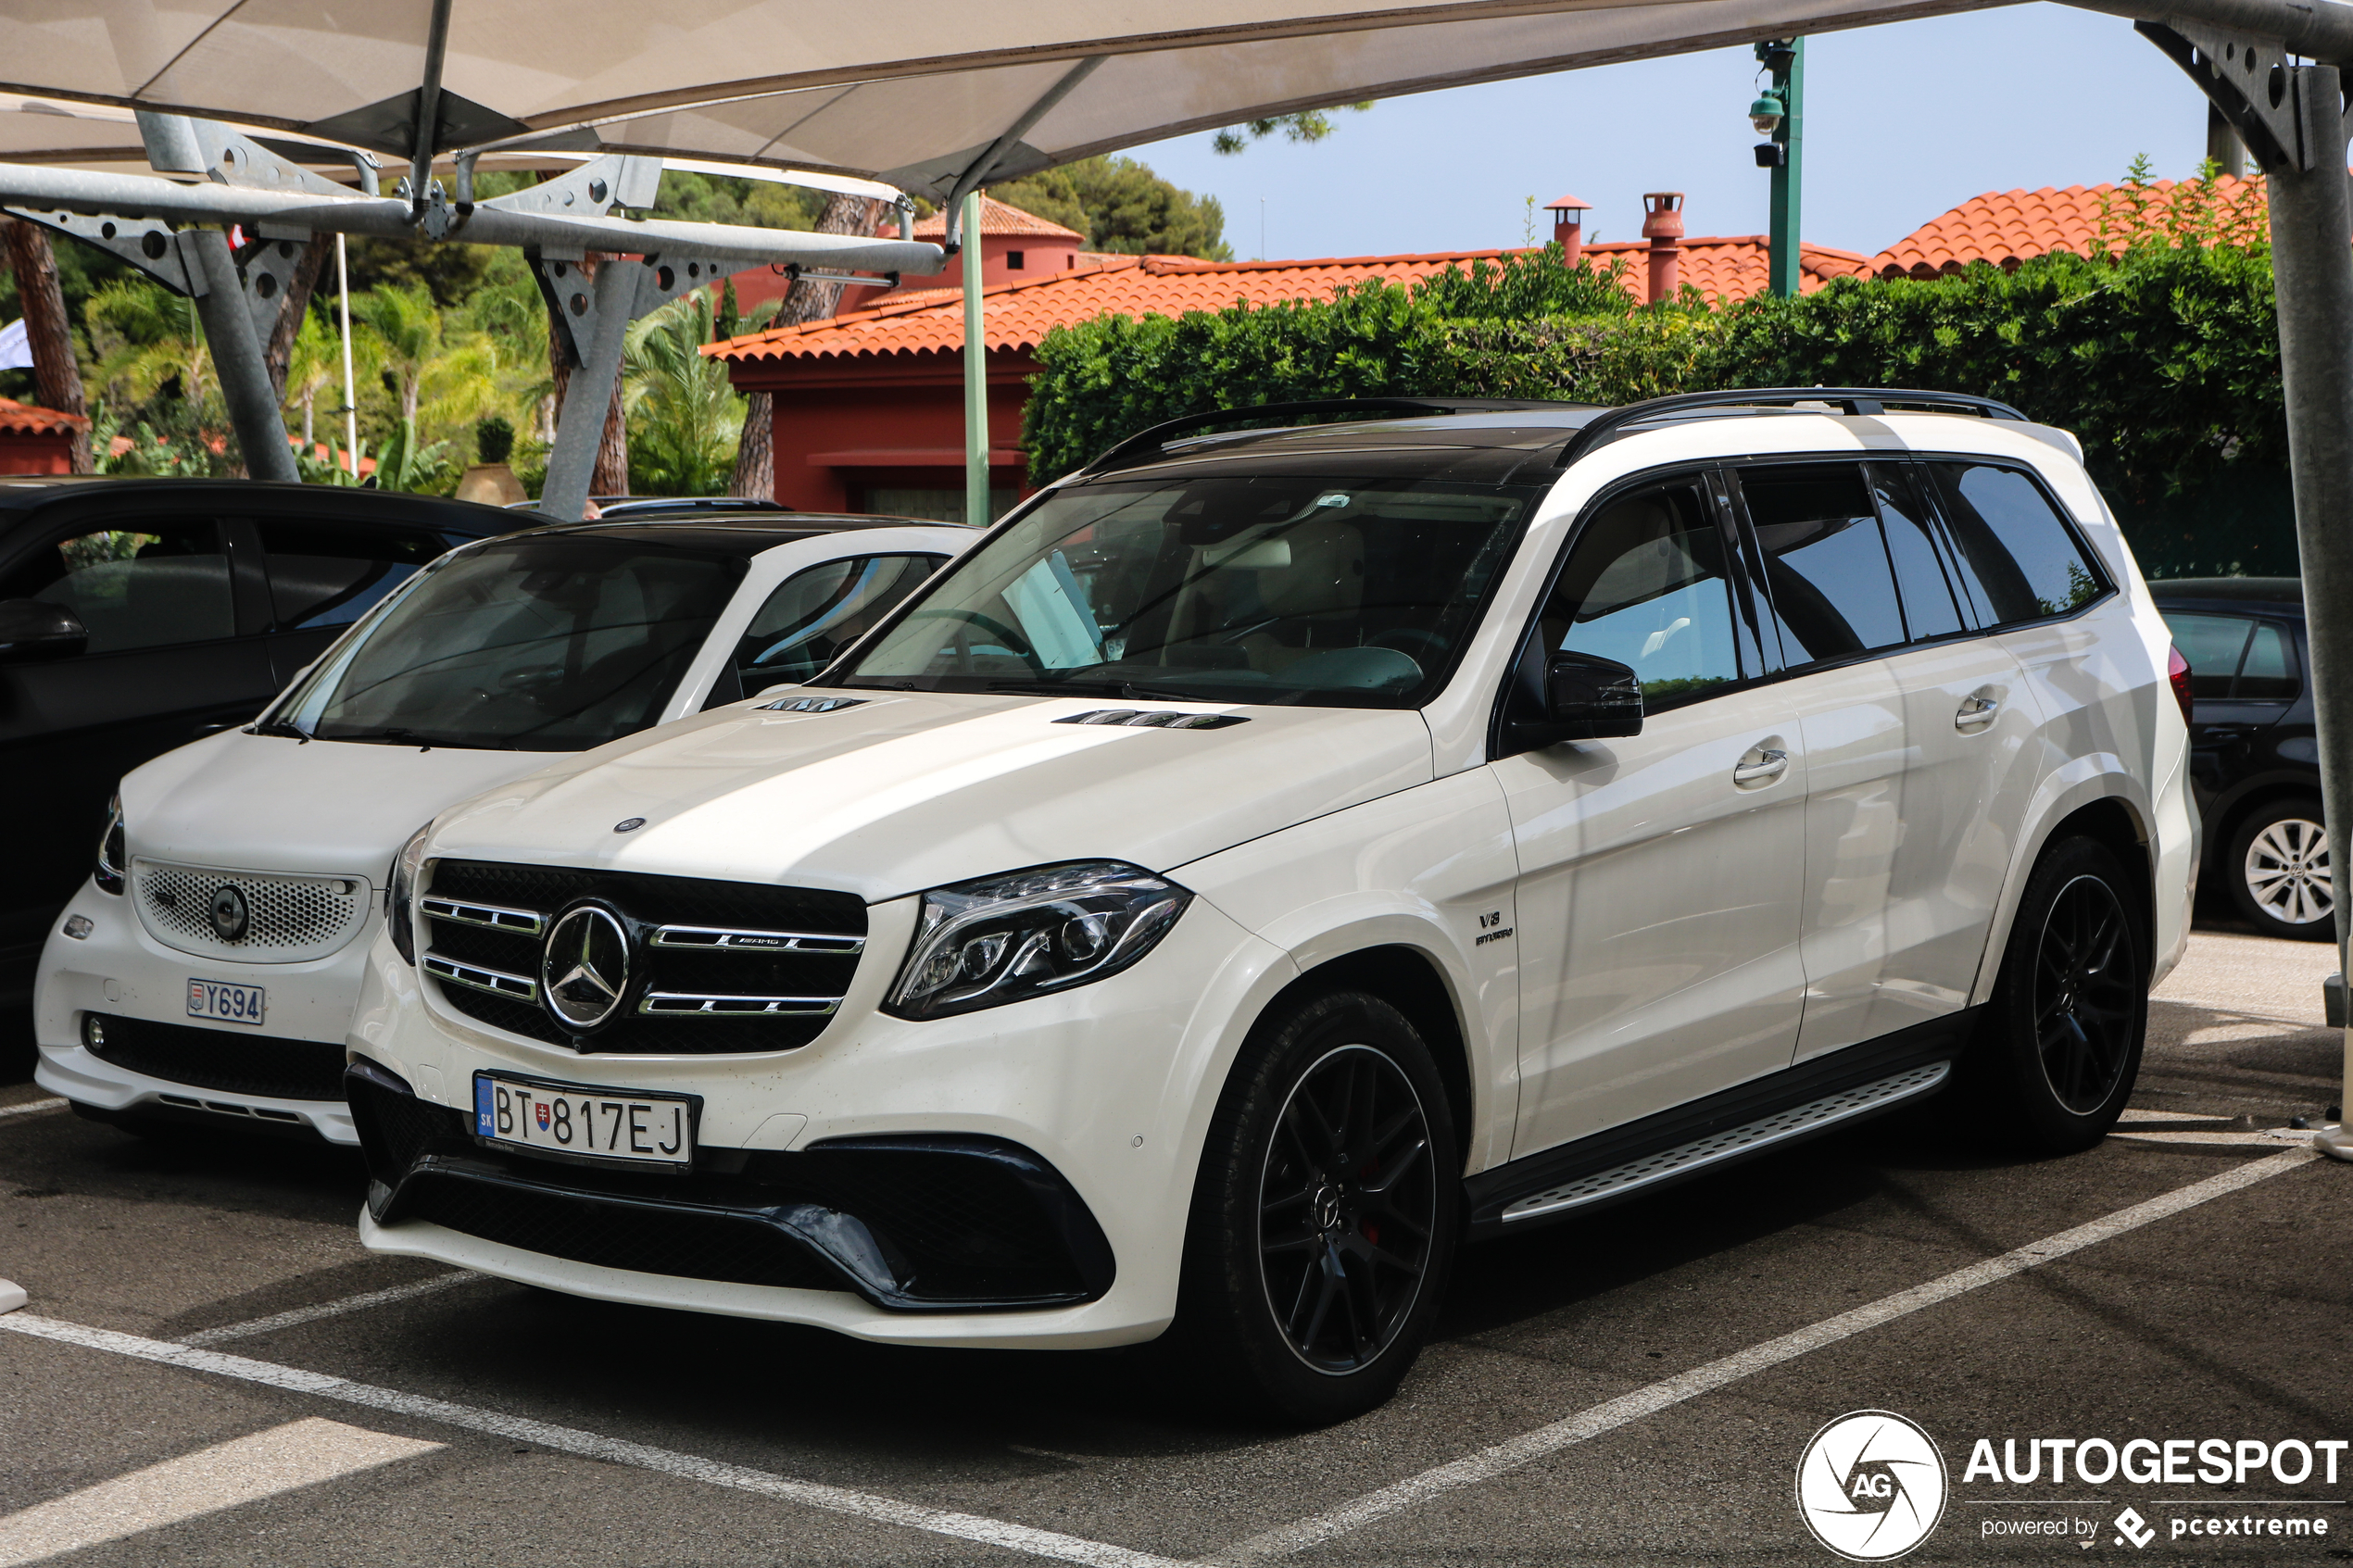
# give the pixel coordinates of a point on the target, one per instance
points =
(151, 586)
(814, 614)
(1826, 567)
(331, 573)
(2213, 644)
(2019, 559)
(2268, 673)
(1645, 584)
(1928, 606)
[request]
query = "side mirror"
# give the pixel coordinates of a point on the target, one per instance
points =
(1587, 698)
(34, 628)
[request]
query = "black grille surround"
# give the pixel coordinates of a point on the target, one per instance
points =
(646, 902)
(911, 1223)
(231, 1061)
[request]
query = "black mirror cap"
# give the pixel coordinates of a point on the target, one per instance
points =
(1587, 698)
(33, 628)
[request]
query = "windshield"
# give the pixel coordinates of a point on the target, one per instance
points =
(1261, 589)
(528, 645)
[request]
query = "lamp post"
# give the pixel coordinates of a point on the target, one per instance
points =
(1778, 114)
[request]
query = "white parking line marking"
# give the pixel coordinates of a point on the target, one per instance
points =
(31, 1108)
(566, 1439)
(244, 1470)
(329, 1309)
(1504, 1458)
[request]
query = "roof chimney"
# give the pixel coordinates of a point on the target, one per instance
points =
(1662, 226)
(1569, 225)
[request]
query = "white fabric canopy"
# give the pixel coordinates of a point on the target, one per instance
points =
(914, 94)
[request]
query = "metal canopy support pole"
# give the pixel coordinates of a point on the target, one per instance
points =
(236, 357)
(580, 425)
(2313, 274)
(977, 510)
(1789, 175)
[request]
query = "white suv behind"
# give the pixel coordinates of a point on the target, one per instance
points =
(1270, 859)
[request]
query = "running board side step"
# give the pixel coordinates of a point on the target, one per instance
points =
(1734, 1143)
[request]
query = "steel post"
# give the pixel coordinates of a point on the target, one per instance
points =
(975, 375)
(1789, 177)
(2312, 275)
(580, 424)
(237, 360)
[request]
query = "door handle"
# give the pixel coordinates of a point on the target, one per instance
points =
(1769, 765)
(1977, 712)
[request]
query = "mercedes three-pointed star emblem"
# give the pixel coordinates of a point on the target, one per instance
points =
(584, 971)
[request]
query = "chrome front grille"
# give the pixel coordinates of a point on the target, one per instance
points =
(715, 967)
(288, 918)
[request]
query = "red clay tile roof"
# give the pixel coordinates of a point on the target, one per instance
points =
(2005, 227)
(996, 217)
(22, 418)
(1019, 314)
(1730, 267)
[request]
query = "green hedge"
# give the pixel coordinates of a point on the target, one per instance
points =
(2164, 361)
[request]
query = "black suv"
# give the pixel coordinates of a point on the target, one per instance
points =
(2254, 765)
(136, 615)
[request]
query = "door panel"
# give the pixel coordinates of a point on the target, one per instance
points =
(163, 662)
(1658, 908)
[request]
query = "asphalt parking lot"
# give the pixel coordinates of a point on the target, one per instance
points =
(210, 1370)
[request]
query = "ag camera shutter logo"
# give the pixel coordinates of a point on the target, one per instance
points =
(1872, 1486)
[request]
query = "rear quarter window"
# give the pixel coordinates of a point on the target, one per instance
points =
(2020, 560)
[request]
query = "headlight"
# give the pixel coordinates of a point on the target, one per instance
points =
(112, 855)
(1007, 938)
(400, 894)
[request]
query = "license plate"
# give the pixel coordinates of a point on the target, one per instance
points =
(585, 1122)
(224, 1003)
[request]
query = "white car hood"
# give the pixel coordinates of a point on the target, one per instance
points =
(907, 791)
(273, 804)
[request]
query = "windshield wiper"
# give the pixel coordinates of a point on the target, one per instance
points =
(1127, 689)
(285, 727)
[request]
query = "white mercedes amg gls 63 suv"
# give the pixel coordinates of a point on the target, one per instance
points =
(1271, 859)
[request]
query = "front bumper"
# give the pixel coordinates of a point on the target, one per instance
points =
(1019, 1177)
(284, 1074)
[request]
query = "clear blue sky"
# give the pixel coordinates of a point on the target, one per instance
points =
(1903, 121)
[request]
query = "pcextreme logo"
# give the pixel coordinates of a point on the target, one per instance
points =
(1872, 1486)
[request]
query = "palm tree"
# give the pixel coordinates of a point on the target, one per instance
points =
(435, 379)
(685, 417)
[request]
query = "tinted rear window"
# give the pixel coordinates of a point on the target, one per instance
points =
(2019, 559)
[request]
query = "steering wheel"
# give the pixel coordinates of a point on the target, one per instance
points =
(1013, 641)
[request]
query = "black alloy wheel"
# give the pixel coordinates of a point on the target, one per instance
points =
(1346, 1209)
(2083, 998)
(2058, 1047)
(1324, 1218)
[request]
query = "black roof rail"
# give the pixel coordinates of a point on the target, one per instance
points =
(1849, 399)
(1123, 454)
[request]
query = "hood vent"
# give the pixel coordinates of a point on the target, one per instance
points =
(1138, 718)
(810, 704)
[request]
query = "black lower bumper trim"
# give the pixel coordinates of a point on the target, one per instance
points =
(912, 1224)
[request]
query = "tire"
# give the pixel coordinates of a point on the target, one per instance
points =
(2061, 1046)
(1314, 1266)
(2277, 871)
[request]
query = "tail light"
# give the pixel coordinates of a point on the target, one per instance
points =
(2177, 669)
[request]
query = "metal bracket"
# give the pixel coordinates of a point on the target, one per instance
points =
(617, 179)
(177, 144)
(146, 243)
(571, 296)
(2253, 80)
(264, 267)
